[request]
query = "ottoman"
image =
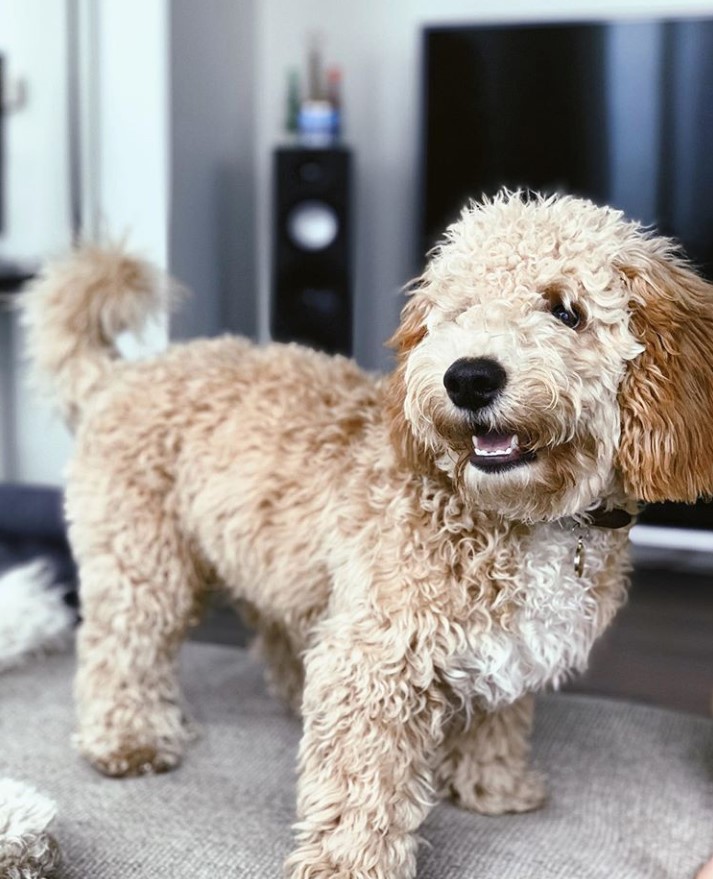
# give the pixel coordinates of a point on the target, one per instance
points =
(631, 788)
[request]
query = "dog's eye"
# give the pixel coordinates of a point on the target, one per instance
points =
(570, 317)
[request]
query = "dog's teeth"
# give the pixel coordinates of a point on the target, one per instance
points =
(495, 453)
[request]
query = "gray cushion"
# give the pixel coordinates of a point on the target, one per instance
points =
(631, 788)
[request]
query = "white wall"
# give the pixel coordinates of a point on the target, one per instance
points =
(377, 43)
(133, 124)
(33, 40)
(130, 127)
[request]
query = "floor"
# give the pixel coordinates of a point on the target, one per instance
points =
(659, 650)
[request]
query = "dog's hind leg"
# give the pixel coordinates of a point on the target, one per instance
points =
(285, 672)
(139, 591)
(485, 764)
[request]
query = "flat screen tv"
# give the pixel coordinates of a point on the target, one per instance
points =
(618, 111)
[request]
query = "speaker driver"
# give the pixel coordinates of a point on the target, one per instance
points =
(312, 225)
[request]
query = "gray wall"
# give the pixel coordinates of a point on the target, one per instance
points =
(211, 226)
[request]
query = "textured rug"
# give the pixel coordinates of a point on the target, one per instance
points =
(631, 788)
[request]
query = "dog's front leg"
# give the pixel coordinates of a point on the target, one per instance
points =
(485, 762)
(372, 726)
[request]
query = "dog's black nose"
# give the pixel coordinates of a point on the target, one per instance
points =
(474, 383)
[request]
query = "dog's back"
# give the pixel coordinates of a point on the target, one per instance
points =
(222, 439)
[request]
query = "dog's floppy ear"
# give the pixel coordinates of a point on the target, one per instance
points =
(411, 330)
(666, 397)
(412, 327)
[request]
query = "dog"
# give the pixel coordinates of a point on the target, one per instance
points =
(419, 552)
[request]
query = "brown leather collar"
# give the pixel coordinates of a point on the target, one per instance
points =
(601, 517)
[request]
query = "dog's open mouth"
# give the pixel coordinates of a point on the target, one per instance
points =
(495, 452)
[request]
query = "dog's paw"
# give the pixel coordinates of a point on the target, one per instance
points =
(123, 743)
(130, 762)
(309, 863)
(127, 755)
(343, 854)
(315, 871)
(326, 869)
(497, 792)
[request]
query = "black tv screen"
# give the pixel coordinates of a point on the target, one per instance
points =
(2, 142)
(620, 112)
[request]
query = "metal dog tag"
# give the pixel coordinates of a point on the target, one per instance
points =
(579, 557)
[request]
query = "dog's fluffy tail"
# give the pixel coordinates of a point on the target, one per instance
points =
(74, 312)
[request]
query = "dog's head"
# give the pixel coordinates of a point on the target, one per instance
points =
(554, 354)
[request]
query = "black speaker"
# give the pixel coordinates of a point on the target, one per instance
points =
(311, 260)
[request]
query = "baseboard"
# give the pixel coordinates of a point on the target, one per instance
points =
(660, 537)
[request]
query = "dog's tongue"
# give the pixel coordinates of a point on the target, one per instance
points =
(495, 443)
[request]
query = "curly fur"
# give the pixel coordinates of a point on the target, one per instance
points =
(27, 850)
(407, 602)
(33, 615)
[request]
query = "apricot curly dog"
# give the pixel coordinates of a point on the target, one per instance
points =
(418, 552)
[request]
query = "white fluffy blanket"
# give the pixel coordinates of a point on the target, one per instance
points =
(33, 619)
(27, 849)
(33, 615)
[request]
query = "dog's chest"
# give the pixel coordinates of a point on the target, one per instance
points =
(543, 623)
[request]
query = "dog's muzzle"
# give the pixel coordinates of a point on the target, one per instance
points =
(472, 385)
